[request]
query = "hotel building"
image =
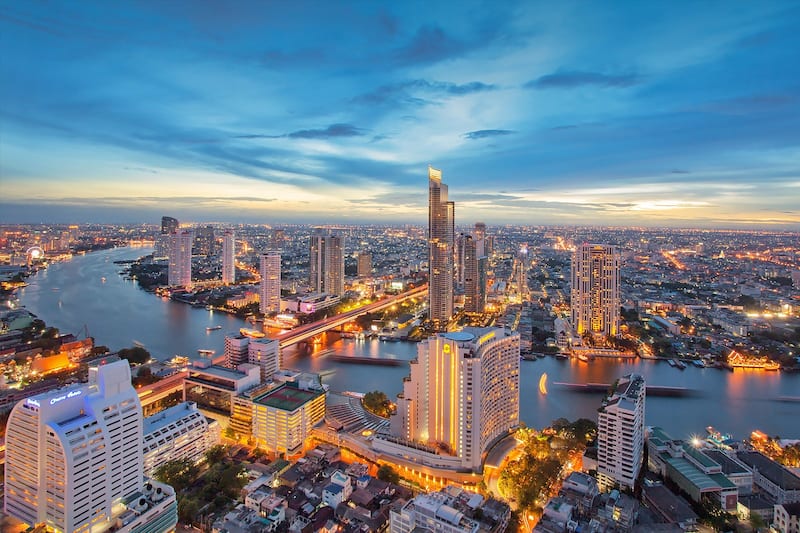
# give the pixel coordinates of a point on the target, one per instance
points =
(180, 259)
(180, 432)
(594, 296)
(326, 267)
(620, 433)
(284, 416)
(74, 459)
(441, 235)
(270, 287)
(462, 395)
(228, 257)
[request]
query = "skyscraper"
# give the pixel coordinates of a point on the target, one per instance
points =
(180, 259)
(270, 287)
(169, 226)
(463, 393)
(364, 264)
(326, 263)
(441, 233)
(594, 294)
(228, 257)
(480, 239)
(73, 455)
(620, 433)
(470, 263)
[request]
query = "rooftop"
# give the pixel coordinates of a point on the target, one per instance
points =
(287, 397)
(729, 465)
(697, 478)
(771, 470)
(669, 505)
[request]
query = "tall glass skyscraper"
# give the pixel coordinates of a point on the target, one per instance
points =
(594, 296)
(441, 235)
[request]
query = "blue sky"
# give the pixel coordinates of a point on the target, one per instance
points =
(622, 113)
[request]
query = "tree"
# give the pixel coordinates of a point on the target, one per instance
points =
(144, 377)
(188, 509)
(388, 474)
(178, 473)
(377, 403)
(216, 454)
(135, 356)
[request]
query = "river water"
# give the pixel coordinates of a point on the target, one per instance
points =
(88, 294)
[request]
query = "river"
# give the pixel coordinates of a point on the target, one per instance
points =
(88, 294)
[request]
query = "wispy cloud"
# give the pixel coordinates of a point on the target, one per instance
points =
(419, 91)
(484, 134)
(332, 131)
(569, 79)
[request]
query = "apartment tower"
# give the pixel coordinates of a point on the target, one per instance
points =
(620, 433)
(180, 259)
(270, 287)
(228, 257)
(441, 233)
(326, 268)
(594, 294)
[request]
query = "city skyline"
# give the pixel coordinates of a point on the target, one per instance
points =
(615, 115)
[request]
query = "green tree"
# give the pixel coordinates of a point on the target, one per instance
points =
(135, 356)
(216, 454)
(188, 509)
(377, 403)
(388, 474)
(178, 473)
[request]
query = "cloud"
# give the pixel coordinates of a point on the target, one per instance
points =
(428, 45)
(405, 92)
(569, 79)
(483, 134)
(334, 130)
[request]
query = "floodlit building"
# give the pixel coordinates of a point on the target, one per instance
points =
(169, 226)
(236, 349)
(74, 459)
(463, 394)
(180, 432)
(594, 296)
(270, 287)
(441, 235)
(266, 355)
(284, 416)
(213, 388)
(620, 433)
(228, 257)
(180, 259)
(326, 267)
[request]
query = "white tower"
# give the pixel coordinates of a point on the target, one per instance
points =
(620, 433)
(270, 288)
(228, 257)
(180, 258)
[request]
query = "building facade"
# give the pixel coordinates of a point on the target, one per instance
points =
(364, 264)
(594, 296)
(204, 240)
(169, 226)
(463, 393)
(180, 259)
(620, 433)
(441, 235)
(451, 510)
(74, 457)
(284, 416)
(236, 349)
(179, 432)
(266, 355)
(326, 263)
(228, 257)
(270, 287)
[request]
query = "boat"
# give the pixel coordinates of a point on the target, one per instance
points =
(583, 358)
(213, 328)
(680, 364)
(252, 333)
(698, 363)
(737, 360)
(672, 363)
(206, 353)
(562, 356)
(103, 279)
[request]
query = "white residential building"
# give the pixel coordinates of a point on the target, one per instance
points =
(236, 349)
(228, 257)
(270, 287)
(620, 433)
(180, 259)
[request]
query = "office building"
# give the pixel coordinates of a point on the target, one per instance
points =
(451, 510)
(270, 287)
(326, 267)
(594, 294)
(474, 279)
(180, 259)
(177, 433)
(364, 264)
(236, 349)
(479, 234)
(620, 433)
(204, 241)
(228, 257)
(169, 226)
(265, 354)
(214, 387)
(462, 395)
(74, 459)
(284, 416)
(441, 234)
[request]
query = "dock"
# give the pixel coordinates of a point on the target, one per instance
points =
(367, 360)
(651, 390)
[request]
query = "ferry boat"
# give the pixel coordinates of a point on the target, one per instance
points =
(583, 357)
(252, 333)
(213, 328)
(737, 360)
(206, 353)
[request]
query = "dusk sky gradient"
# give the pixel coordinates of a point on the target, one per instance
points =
(614, 113)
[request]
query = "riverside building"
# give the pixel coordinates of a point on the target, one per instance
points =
(620, 433)
(228, 257)
(180, 259)
(270, 287)
(74, 460)
(594, 297)
(326, 267)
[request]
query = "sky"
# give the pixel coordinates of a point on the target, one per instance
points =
(604, 113)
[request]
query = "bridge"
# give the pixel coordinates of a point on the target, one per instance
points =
(315, 328)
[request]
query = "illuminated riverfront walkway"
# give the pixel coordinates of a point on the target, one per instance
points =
(315, 328)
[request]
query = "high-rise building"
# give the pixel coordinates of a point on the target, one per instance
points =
(326, 263)
(284, 416)
(265, 354)
(270, 287)
(169, 226)
(458, 265)
(74, 459)
(463, 393)
(620, 433)
(364, 264)
(594, 294)
(441, 233)
(473, 295)
(480, 239)
(228, 257)
(236, 346)
(204, 241)
(180, 259)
